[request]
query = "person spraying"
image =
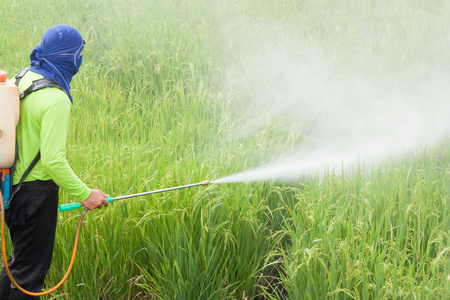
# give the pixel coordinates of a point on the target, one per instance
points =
(41, 139)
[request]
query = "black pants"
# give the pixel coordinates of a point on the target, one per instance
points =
(31, 219)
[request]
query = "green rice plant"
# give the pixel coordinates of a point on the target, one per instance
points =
(209, 254)
(375, 237)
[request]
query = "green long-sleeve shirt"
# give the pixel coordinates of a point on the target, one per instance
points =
(43, 126)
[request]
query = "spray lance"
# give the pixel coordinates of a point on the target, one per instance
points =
(70, 206)
(67, 207)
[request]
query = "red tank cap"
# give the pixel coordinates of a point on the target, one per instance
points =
(3, 75)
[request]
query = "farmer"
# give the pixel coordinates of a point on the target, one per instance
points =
(43, 126)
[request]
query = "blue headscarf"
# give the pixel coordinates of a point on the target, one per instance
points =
(58, 55)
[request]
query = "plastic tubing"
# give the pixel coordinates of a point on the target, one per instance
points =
(6, 262)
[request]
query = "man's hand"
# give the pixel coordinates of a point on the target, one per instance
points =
(95, 200)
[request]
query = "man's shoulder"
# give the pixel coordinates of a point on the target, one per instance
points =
(44, 97)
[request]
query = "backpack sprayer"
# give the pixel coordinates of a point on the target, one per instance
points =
(9, 116)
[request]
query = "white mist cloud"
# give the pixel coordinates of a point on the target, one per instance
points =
(348, 115)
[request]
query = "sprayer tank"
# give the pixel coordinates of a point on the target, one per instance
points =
(9, 117)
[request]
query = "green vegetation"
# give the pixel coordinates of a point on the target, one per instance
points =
(150, 112)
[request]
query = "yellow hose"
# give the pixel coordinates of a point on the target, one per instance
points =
(6, 263)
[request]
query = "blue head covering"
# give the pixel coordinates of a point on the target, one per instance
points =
(58, 55)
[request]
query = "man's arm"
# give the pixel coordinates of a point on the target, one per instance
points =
(54, 129)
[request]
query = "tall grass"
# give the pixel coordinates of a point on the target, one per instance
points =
(149, 112)
(381, 237)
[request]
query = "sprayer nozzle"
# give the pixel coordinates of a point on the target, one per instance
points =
(204, 182)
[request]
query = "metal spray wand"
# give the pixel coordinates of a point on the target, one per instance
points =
(70, 206)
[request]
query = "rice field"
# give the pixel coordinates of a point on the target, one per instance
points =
(156, 105)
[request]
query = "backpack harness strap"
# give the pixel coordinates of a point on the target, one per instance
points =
(20, 75)
(42, 83)
(36, 85)
(27, 171)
